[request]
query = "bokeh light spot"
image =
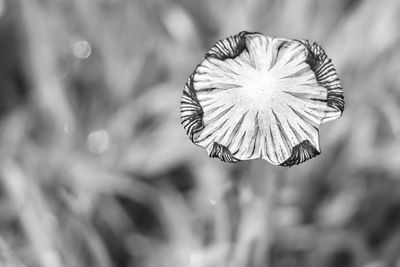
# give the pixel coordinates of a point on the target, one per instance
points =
(98, 141)
(212, 201)
(82, 49)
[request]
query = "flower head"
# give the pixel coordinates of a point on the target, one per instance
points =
(254, 96)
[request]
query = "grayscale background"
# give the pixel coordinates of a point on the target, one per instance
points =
(96, 170)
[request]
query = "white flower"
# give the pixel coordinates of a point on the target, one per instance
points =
(255, 97)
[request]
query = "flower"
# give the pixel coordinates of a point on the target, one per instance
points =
(254, 96)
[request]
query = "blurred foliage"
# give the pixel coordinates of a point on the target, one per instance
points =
(96, 170)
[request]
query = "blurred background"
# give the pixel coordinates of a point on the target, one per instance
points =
(96, 170)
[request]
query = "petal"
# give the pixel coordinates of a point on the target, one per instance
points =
(191, 111)
(326, 76)
(229, 47)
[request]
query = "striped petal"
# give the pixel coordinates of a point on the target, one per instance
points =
(256, 97)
